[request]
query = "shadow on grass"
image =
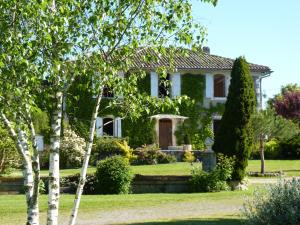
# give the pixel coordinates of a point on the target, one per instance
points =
(217, 221)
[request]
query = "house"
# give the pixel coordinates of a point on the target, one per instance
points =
(209, 79)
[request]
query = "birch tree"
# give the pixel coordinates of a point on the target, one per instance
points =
(17, 82)
(118, 31)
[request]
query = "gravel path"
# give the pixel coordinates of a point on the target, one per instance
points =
(165, 211)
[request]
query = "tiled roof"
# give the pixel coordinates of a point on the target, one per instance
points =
(191, 61)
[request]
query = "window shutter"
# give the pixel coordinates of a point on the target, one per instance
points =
(118, 127)
(99, 127)
(154, 84)
(209, 85)
(175, 85)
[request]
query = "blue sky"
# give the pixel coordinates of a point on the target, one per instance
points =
(266, 32)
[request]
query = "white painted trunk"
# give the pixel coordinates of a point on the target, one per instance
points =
(85, 162)
(53, 196)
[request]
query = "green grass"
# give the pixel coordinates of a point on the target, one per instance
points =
(12, 207)
(290, 167)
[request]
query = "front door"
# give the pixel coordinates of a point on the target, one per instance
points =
(165, 133)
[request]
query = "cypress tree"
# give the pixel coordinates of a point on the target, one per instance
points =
(234, 136)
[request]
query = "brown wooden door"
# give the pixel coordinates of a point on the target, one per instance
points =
(165, 133)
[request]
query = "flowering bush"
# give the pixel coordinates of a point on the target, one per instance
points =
(150, 155)
(278, 205)
(71, 149)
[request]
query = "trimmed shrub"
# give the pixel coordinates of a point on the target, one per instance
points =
(113, 176)
(9, 157)
(108, 146)
(71, 150)
(150, 155)
(234, 136)
(277, 205)
(215, 180)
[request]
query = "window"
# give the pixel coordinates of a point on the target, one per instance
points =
(219, 86)
(107, 92)
(108, 127)
(164, 86)
(216, 125)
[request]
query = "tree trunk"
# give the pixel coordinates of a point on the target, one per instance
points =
(21, 145)
(262, 155)
(85, 161)
(53, 197)
(34, 204)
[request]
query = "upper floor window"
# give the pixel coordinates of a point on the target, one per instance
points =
(108, 126)
(107, 92)
(164, 87)
(219, 86)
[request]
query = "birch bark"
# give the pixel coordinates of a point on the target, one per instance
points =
(34, 204)
(85, 161)
(53, 197)
(20, 142)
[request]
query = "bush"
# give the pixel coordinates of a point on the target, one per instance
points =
(290, 149)
(150, 155)
(215, 180)
(272, 149)
(9, 157)
(114, 175)
(279, 204)
(188, 156)
(72, 150)
(108, 146)
(71, 183)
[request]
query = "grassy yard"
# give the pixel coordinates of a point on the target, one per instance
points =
(168, 209)
(290, 167)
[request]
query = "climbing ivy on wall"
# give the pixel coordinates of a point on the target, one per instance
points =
(193, 86)
(198, 125)
(140, 130)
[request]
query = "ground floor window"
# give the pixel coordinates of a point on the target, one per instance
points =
(108, 127)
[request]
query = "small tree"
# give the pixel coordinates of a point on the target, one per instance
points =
(234, 137)
(266, 125)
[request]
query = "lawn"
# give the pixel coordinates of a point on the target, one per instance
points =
(290, 167)
(196, 208)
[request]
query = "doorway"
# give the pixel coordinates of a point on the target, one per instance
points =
(165, 133)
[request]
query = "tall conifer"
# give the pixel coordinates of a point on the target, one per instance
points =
(234, 136)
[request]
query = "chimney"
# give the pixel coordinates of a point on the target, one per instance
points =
(206, 49)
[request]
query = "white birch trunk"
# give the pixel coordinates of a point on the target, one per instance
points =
(34, 204)
(53, 197)
(27, 166)
(85, 161)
